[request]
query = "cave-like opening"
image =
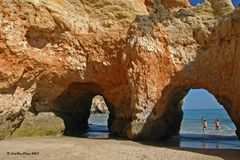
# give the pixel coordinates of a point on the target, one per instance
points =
(98, 120)
(75, 105)
(200, 105)
(79, 110)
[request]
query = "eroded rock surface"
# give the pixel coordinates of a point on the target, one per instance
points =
(141, 56)
(43, 124)
(99, 105)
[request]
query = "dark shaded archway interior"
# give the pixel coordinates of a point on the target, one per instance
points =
(74, 105)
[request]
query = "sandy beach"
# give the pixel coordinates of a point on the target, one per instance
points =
(62, 148)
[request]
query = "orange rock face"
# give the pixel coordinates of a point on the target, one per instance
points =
(141, 56)
(171, 4)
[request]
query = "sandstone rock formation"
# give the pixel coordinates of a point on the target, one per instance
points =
(43, 124)
(98, 105)
(141, 56)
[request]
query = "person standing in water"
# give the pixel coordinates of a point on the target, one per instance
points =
(217, 124)
(204, 125)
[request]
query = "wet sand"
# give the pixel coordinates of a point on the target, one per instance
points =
(62, 148)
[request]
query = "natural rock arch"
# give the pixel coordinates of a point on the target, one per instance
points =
(198, 62)
(209, 108)
(73, 106)
(143, 58)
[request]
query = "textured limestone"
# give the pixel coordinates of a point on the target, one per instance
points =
(141, 56)
(98, 105)
(222, 7)
(43, 124)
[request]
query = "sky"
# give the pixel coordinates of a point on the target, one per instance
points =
(200, 98)
(194, 2)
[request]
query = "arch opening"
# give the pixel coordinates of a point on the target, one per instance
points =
(196, 2)
(78, 109)
(75, 105)
(98, 119)
(198, 105)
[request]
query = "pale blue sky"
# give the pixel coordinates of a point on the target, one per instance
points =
(194, 2)
(199, 98)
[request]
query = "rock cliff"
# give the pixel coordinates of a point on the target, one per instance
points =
(141, 56)
(98, 105)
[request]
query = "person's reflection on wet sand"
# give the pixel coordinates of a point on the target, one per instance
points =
(205, 145)
(218, 146)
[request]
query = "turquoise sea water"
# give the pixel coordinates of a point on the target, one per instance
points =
(98, 126)
(192, 136)
(191, 123)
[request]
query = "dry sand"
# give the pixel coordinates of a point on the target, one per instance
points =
(72, 148)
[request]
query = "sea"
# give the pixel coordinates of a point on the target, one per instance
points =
(191, 134)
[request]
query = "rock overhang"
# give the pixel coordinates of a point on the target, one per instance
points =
(143, 62)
